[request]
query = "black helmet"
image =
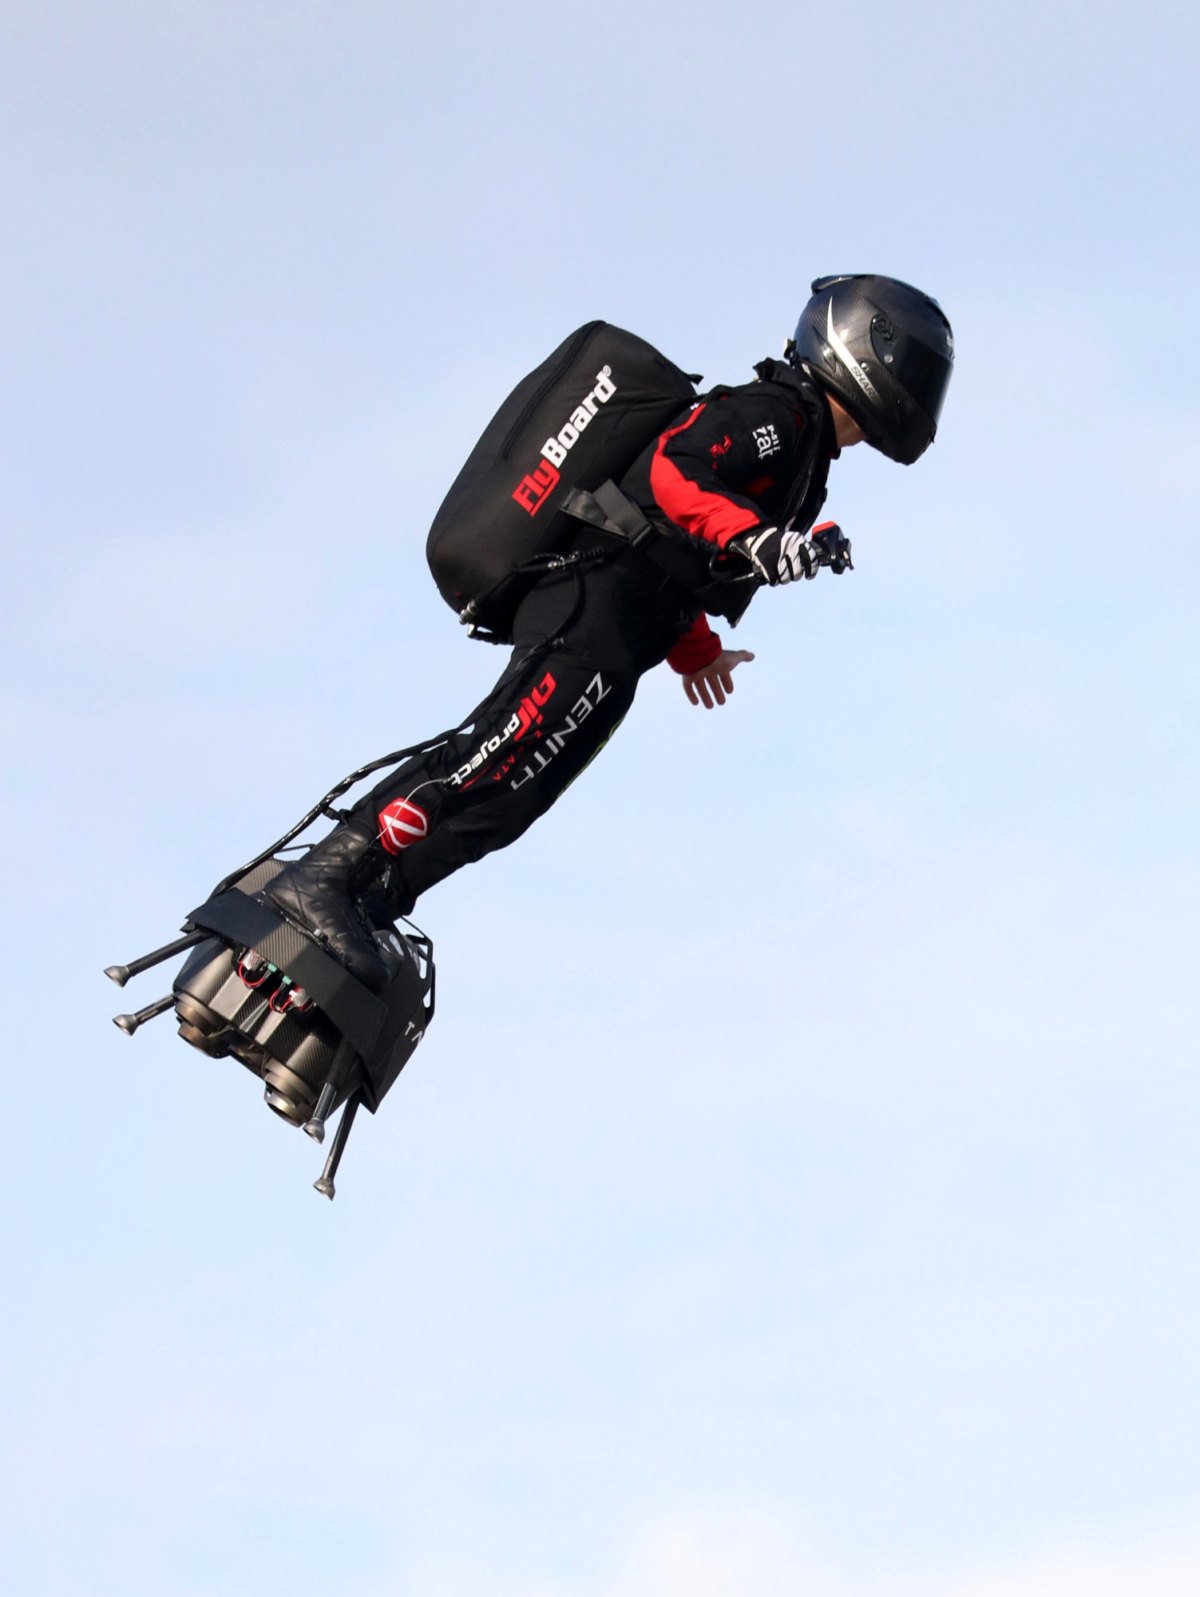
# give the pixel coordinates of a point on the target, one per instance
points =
(885, 351)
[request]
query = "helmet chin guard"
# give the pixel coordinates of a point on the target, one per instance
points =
(884, 351)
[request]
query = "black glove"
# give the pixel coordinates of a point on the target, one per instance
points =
(779, 554)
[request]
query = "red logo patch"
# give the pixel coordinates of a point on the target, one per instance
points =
(402, 823)
(532, 490)
(530, 709)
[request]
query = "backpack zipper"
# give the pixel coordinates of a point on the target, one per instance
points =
(572, 352)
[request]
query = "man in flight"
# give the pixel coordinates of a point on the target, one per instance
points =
(734, 487)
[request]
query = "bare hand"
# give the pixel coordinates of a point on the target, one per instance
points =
(718, 677)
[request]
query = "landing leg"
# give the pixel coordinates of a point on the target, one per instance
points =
(325, 1183)
(121, 973)
(130, 1023)
(339, 1069)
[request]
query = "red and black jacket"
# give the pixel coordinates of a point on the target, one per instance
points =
(742, 458)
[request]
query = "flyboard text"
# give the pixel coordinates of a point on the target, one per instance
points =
(534, 488)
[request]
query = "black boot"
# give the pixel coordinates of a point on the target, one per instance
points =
(389, 899)
(317, 894)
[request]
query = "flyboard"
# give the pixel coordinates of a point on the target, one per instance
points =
(257, 989)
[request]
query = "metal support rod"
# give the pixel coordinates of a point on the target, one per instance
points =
(121, 973)
(339, 1068)
(315, 1124)
(324, 1184)
(130, 1023)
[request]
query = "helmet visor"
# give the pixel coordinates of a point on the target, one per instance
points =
(921, 371)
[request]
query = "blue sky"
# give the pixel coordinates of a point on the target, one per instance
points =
(797, 1190)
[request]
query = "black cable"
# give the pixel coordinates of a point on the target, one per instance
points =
(542, 565)
(322, 807)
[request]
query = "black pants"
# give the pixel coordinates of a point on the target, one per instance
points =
(581, 641)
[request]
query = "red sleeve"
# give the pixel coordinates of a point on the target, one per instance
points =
(714, 516)
(698, 647)
(708, 473)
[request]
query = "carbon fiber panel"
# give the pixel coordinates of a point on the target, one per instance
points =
(357, 1013)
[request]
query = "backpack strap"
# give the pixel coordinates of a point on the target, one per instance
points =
(679, 574)
(610, 511)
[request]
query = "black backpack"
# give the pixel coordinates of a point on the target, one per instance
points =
(583, 416)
